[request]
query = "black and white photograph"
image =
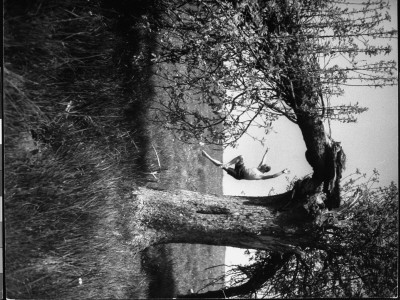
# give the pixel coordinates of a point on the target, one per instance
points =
(199, 149)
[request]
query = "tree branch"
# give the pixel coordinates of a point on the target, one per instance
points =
(262, 272)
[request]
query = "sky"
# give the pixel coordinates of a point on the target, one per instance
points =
(371, 143)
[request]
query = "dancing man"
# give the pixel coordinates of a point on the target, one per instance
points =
(240, 171)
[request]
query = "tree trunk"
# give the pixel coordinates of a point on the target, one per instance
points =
(246, 222)
(275, 223)
(325, 156)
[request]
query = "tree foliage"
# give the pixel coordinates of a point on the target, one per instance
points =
(250, 62)
(354, 254)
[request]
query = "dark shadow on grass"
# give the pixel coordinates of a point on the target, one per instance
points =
(135, 74)
(137, 86)
(156, 262)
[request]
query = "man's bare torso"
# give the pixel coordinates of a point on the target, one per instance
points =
(252, 174)
(241, 172)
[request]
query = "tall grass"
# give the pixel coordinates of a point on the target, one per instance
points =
(68, 171)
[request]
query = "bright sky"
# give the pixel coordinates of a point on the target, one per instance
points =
(370, 143)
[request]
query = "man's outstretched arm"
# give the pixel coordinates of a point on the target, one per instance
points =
(263, 161)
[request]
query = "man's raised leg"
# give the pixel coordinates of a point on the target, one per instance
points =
(214, 161)
(235, 160)
(263, 161)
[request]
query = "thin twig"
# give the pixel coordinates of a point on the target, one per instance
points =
(158, 159)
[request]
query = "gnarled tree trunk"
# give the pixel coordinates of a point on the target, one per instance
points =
(247, 222)
(275, 223)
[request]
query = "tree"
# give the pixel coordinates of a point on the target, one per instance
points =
(257, 60)
(250, 62)
(354, 254)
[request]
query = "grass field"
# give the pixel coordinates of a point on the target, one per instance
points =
(187, 169)
(77, 142)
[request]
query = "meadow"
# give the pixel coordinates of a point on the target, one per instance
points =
(78, 141)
